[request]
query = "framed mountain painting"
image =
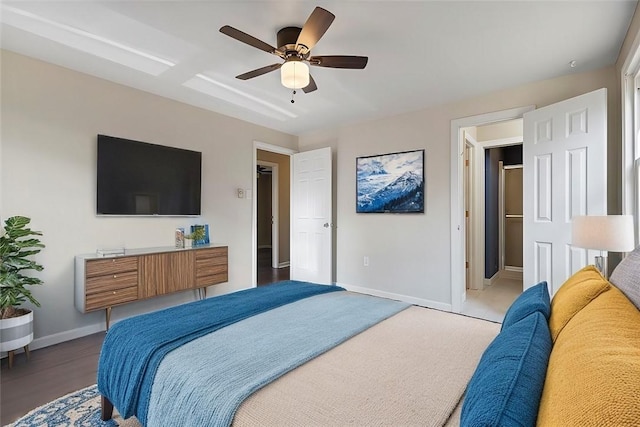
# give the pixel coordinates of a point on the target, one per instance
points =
(390, 183)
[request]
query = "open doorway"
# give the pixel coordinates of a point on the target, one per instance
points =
(492, 218)
(501, 280)
(272, 217)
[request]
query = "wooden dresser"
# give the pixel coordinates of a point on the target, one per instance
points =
(104, 282)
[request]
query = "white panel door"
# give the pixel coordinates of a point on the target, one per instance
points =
(565, 174)
(311, 242)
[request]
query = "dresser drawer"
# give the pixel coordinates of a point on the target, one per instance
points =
(211, 261)
(111, 266)
(212, 279)
(111, 282)
(211, 266)
(204, 263)
(210, 269)
(212, 253)
(106, 299)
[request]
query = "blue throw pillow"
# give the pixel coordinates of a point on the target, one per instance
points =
(536, 298)
(506, 387)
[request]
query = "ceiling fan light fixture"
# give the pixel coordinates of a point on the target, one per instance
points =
(294, 47)
(294, 74)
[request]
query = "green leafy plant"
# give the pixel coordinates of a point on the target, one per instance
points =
(17, 245)
(197, 234)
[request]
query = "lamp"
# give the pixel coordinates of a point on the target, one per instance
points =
(604, 233)
(294, 73)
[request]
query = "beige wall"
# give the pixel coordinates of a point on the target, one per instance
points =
(410, 254)
(501, 130)
(632, 34)
(50, 119)
(284, 198)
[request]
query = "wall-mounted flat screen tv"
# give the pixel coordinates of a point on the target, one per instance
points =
(138, 178)
(390, 183)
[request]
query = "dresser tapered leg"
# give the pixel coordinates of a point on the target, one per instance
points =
(108, 316)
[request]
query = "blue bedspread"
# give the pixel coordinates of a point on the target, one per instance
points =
(133, 348)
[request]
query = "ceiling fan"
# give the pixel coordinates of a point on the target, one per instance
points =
(294, 46)
(263, 170)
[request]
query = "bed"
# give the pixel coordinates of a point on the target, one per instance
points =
(291, 353)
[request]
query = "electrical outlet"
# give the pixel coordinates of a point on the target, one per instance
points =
(366, 261)
(240, 193)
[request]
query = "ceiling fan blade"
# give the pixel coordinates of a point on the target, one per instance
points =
(315, 27)
(246, 38)
(260, 71)
(311, 86)
(339, 61)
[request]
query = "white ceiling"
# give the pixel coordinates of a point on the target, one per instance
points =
(421, 53)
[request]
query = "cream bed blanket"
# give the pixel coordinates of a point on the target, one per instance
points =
(409, 370)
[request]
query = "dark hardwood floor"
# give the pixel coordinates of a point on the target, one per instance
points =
(54, 371)
(266, 274)
(51, 372)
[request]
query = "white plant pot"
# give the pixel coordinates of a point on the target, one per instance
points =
(16, 332)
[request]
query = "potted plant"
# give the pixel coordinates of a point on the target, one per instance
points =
(197, 235)
(17, 245)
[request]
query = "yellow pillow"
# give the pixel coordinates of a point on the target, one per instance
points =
(593, 377)
(578, 291)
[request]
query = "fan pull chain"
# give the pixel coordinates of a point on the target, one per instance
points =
(294, 84)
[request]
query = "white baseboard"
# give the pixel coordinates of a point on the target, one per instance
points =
(60, 337)
(514, 273)
(492, 280)
(284, 264)
(404, 298)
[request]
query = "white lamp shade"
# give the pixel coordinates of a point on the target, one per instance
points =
(294, 74)
(605, 233)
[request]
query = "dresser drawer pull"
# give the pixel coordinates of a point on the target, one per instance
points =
(114, 292)
(115, 276)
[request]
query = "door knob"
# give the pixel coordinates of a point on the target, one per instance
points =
(326, 225)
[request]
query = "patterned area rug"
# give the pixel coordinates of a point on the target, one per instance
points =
(78, 409)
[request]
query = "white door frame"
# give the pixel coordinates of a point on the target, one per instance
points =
(257, 145)
(501, 212)
(275, 212)
(630, 162)
(457, 194)
(475, 235)
(469, 181)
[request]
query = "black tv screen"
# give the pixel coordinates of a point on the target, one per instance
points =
(138, 178)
